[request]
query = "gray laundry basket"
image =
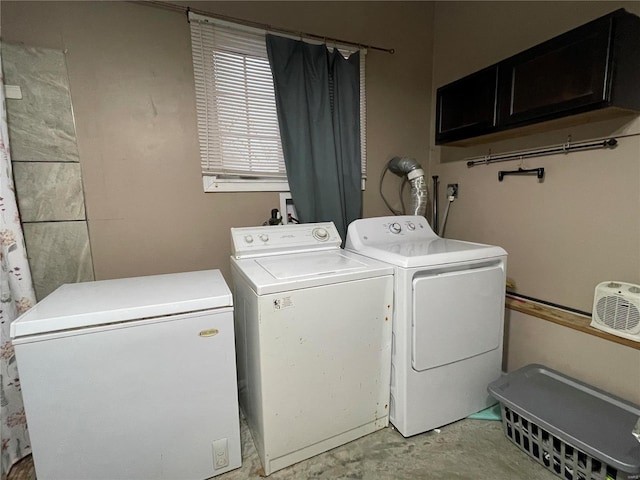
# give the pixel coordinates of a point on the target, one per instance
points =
(575, 430)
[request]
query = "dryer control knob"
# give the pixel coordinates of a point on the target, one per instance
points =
(320, 234)
(395, 227)
(411, 226)
(248, 239)
(264, 237)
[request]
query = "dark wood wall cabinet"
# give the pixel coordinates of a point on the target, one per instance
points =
(595, 67)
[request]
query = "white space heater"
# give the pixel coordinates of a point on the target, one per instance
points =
(616, 309)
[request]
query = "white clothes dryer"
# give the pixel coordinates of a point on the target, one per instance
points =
(448, 319)
(313, 340)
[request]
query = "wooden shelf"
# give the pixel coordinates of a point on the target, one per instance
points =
(564, 318)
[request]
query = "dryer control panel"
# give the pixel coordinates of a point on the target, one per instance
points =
(384, 230)
(247, 242)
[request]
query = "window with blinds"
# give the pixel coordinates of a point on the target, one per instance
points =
(240, 147)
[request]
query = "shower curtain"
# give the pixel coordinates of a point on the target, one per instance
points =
(16, 296)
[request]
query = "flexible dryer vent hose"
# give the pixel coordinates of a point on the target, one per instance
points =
(418, 194)
(413, 170)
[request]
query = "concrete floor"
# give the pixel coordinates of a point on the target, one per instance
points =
(465, 450)
(468, 449)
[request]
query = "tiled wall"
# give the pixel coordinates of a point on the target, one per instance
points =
(46, 167)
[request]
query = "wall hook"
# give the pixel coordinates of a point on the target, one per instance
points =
(538, 172)
(487, 157)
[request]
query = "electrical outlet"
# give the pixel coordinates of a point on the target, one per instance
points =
(220, 453)
(452, 190)
(13, 92)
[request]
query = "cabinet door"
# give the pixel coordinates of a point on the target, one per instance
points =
(566, 75)
(467, 107)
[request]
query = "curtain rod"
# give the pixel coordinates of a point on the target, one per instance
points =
(185, 10)
(609, 142)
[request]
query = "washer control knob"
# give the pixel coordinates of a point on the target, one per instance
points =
(320, 234)
(411, 226)
(264, 237)
(248, 239)
(395, 227)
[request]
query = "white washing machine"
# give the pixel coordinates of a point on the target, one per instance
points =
(313, 326)
(448, 319)
(131, 378)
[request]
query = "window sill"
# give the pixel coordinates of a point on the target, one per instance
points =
(213, 184)
(564, 318)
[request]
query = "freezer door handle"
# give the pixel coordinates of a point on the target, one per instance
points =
(211, 332)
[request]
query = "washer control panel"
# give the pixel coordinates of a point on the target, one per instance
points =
(281, 239)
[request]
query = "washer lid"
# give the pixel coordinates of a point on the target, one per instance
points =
(309, 264)
(279, 273)
(79, 305)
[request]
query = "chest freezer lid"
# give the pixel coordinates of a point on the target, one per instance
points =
(87, 304)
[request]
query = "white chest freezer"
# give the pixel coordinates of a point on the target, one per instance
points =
(131, 379)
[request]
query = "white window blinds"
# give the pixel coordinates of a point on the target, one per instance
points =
(237, 119)
(235, 103)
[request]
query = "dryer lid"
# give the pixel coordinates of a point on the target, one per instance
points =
(438, 251)
(87, 304)
(408, 241)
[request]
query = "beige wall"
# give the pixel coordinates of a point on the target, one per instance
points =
(610, 366)
(581, 225)
(131, 84)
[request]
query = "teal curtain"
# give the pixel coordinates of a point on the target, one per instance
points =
(318, 103)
